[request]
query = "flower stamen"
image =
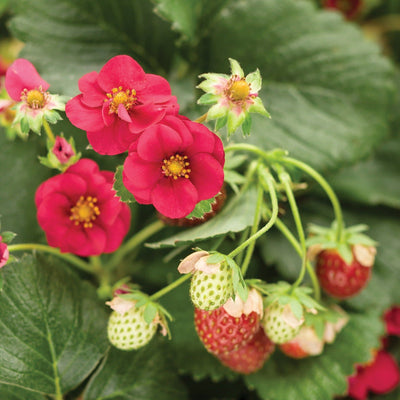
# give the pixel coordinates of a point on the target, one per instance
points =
(85, 211)
(237, 89)
(176, 167)
(119, 96)
(35, 98)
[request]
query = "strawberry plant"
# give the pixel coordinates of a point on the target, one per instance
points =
(187, 188)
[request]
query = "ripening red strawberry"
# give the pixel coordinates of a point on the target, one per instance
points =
(341, 279)
(222, 333)
(250, 357)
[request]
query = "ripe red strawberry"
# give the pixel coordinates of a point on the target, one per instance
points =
(250, 357)
(221, 333)
(338, 278)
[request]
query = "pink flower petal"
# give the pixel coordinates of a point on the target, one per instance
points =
(392, 319)
(111, 140)
(114, 241)
(174, 198)
(207, 174)
(120, 71)
(178, 124)
(109, 211)
(84, 166)
(144, 116)
(82, 116)
(123, 113)
(20, 75)
(4, 254)
(383, 375)
(92, 95)
(108, 118)
(155, 85)
(141, 174)
(158, 142)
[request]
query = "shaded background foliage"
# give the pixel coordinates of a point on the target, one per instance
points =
(334, 101)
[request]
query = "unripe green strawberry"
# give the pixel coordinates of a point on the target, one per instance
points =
(129, 331)
(280, 324)
(210, 289)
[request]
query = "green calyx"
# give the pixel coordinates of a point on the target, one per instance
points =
(326, 238)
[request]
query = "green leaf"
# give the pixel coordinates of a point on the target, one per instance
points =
(190, 17)
(322, 377)
(52, 327)
(146, 374)
(235, 217)
(203, 207)
(125, 195)
(185, 344)
(328, 106)
(15, 393)
(58, 34)
(375, 181)
(25, 174)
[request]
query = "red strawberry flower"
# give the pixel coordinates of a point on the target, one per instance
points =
(4, 253)
(79, 211)
(26, 87)
(381, 376)
(174, 165)
(118, 103)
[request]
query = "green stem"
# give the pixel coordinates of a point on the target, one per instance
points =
(48, 131)
(133, 242)
(247, 147)
(296, 245)
(286, 181)
(244, 236)
(74, 260)
(257, 215)
(269, 183)
(328, 190)
(170, 287)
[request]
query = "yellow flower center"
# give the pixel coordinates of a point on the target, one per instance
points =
(119, 96)
(176, 167)
(35, 98)
(239, 90)
(85, 211)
